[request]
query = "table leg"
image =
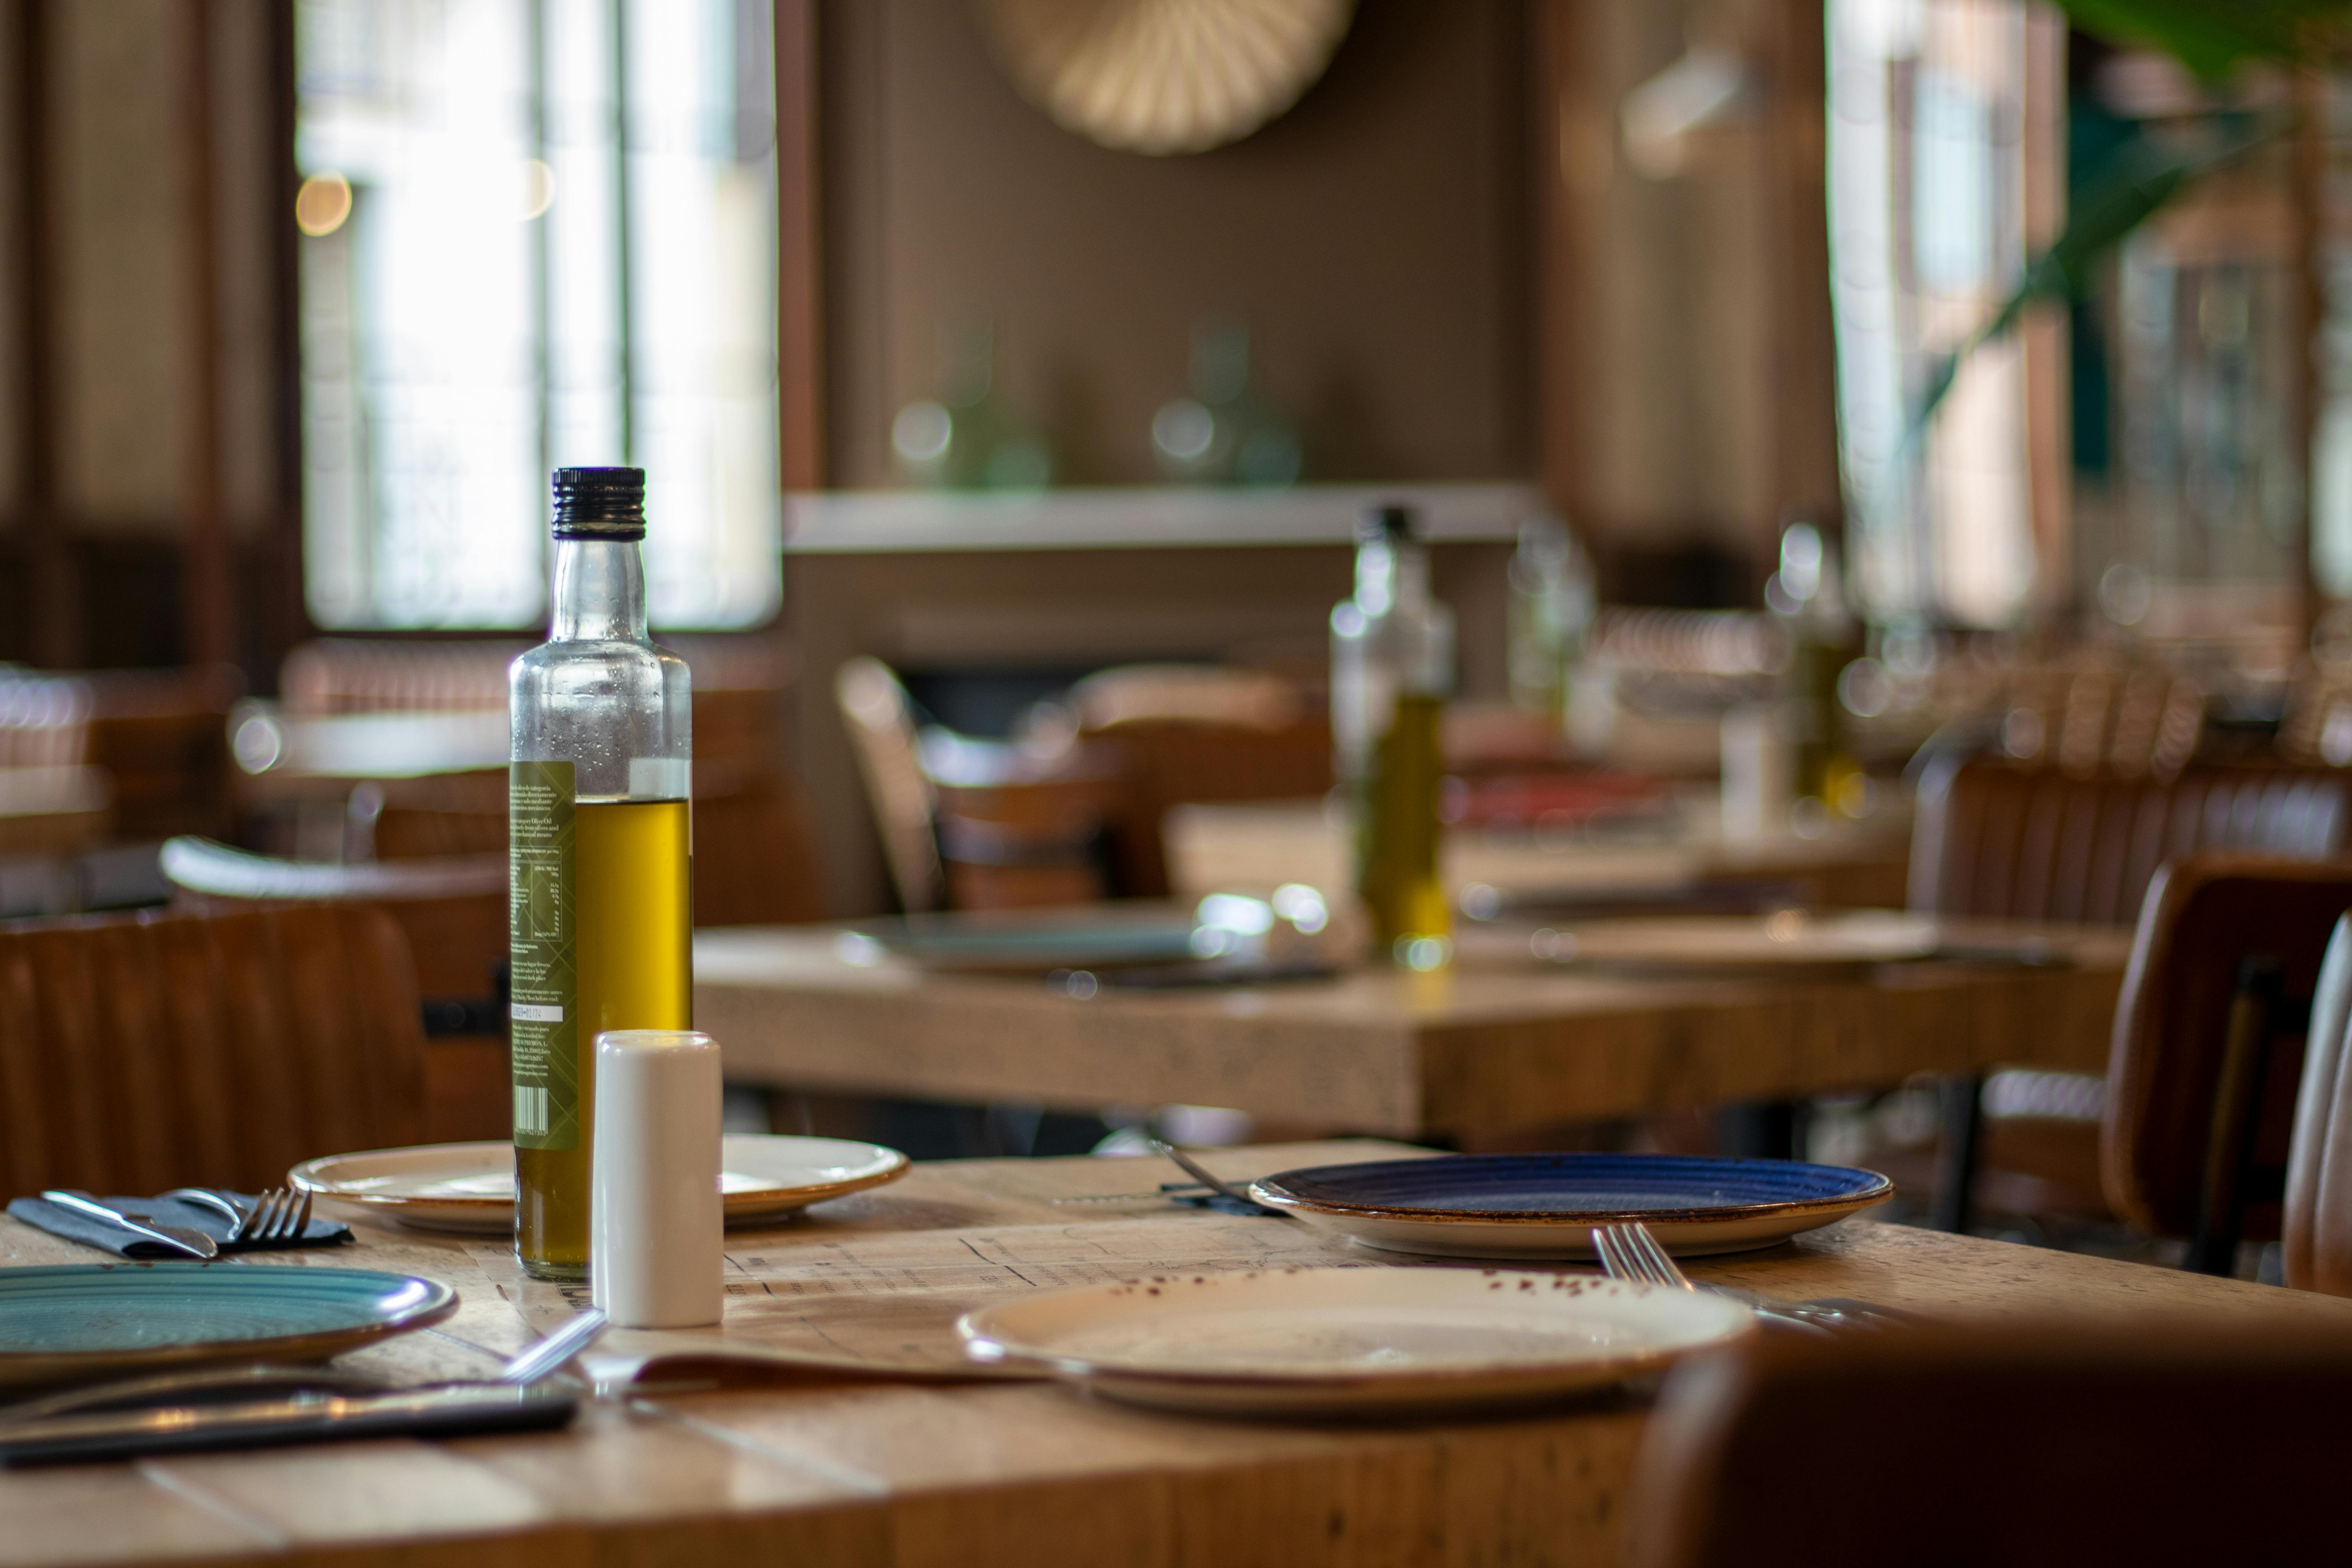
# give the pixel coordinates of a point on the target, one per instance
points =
(1772, 1130)
(1955, 1152)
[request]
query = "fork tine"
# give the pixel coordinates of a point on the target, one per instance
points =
(1662, 1266)
(285, 1212)
(1617, 1260)
(302, 1216)
(270, 1214)
(1642, 1245)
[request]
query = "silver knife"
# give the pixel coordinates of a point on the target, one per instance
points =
(194, 1243)
(424, 1412)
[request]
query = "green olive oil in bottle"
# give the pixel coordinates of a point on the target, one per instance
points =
(600, 891)
(1392, 666)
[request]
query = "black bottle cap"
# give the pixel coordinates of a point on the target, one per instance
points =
(600, 503)
(1393, 524)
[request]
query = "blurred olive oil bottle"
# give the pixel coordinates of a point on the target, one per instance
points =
(600, 885)
(1391, 666)
(1807, 595)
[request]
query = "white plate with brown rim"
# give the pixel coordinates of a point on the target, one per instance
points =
(1326, 1341)
(470, 1188)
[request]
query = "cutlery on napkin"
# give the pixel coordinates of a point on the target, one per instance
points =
(159, 1227)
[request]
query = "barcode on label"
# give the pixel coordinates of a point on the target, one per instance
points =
(531, 1112)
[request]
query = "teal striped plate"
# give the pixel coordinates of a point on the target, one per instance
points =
(103, 1320)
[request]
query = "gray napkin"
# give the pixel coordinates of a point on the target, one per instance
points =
(112, 1238)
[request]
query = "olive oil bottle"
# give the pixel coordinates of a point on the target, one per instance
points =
(600, 881)
(1392, 666)
(1807, 596)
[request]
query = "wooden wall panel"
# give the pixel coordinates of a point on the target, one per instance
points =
(1374, 236)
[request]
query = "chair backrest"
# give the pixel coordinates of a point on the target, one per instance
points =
(143, 1053)
(163, 738)
(1185, 693)
(756, 860)
(360, 675)
(44, 721)
(2022, 1447)
(1169, 762)
(755, 863)
(2317, 1231)
(881, 725)
(2001, 841)
(2208, 1045)
(453, 911)
(2316, 726)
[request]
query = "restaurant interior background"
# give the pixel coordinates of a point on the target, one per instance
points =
(304, 299)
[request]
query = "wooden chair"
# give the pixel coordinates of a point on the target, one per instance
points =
(1216, 694)
(163, 738)
(881, 720)
(453, 915)
(147, 1052)
(1173, 761)
(756, 862)
(1194, 734)
(44, 721)
(1996, 840)
(2317, 1225)
(366, 675)
(2209, 1047)
(2026, 1447)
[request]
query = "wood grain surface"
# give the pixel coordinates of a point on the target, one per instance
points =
(1494, 1044)
(820, 1470)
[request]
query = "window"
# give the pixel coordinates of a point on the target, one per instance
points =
(1928, 166)
(496, 281)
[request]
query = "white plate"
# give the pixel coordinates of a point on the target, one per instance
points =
(1312, 1342)
(470, 1188)
(1784, 939)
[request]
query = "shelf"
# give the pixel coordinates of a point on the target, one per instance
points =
(862, 523)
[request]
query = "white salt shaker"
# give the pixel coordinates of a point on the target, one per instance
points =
(1759, 780)
(656, 1231)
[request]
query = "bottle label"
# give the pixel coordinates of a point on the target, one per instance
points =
(541, 948)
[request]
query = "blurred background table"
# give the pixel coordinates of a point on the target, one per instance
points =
(1488, 1046)
(1254, 846)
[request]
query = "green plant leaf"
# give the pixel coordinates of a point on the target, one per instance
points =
(2137, 182)
(2214, 36)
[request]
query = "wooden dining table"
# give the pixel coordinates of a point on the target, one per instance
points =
(834, 1468)
(1499, 1041)
(1254, 846)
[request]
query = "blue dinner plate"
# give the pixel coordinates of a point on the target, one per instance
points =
(1545, 1205)
(1023, 942)
(98, 1319)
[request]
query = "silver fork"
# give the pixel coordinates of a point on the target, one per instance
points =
(280, 1214)
(1629, 1251)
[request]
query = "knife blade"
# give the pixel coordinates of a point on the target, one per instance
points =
(444, 1411)
(194, 1243)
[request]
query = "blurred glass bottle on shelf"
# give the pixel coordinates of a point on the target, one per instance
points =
(969, 437)
(1392, 666)
(1551, 609)
(1227, 433)
(1807, 595)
